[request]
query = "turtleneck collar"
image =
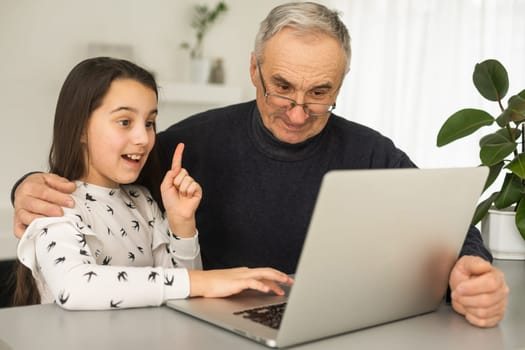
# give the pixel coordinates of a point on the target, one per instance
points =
(268, 144)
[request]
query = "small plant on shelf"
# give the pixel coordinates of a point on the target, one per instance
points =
(202, 20)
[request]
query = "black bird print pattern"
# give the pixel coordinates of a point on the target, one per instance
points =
(168, 280)
(122, 276)
(62, 297)
(153, 276)
(82, 239)
(51, 246)
(90, 275)
(102, 246)
(115, 304)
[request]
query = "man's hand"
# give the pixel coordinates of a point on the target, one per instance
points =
(479, 291)
(41, 195)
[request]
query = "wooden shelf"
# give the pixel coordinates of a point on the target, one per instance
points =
(198, 94)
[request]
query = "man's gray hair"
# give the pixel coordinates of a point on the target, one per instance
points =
(304, 17)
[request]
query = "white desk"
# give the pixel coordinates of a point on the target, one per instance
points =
(49, 327)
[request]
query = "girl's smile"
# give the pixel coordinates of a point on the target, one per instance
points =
(120, 134)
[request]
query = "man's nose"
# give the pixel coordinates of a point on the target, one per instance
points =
(297, 114)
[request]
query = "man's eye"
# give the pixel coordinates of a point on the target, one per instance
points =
(124, 122)
(319, 94)
(283, 90)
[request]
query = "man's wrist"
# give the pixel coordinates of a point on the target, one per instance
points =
(17, 183)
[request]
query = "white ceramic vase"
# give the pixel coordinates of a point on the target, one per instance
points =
(501, 236)
(200, 70)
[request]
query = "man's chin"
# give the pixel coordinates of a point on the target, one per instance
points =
(292, 137)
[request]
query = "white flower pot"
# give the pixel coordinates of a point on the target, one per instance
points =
(501, 236)
(200, 70)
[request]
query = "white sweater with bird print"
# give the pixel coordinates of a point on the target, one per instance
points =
(113, 250)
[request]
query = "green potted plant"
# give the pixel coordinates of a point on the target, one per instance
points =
(202, 20)
(502, 150)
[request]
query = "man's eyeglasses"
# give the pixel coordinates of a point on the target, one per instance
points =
(284, 104)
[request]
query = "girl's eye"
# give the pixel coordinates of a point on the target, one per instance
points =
(150, 124)
(123, 122)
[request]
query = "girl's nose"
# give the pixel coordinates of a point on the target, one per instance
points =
(140, 135)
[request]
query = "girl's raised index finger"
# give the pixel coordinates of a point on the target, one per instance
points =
(176, 163)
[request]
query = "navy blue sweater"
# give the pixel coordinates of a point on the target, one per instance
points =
(258, 192)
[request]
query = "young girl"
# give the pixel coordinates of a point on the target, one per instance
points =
(116, 249)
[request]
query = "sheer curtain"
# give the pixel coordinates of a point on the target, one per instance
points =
(412, 64)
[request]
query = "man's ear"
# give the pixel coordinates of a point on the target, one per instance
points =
(253, 70)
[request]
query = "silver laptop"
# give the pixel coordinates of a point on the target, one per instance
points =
(379, 248)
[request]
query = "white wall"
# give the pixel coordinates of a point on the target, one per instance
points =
(40, 41)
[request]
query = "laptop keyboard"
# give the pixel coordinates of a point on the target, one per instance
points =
(269, 315)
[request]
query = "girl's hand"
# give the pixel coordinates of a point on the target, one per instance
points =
(223, 283)
(181, 196)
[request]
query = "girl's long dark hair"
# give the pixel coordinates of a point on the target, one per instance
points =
(82, 93)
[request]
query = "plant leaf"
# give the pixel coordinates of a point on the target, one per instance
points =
(504, 118)
(520, 217)
(499, 136)
(517, 108)
(483, 208)
(496, 147)
(511, 191)
(517, 166)
(517, 103)
(461, 124)
(491, 79)
(494, 171)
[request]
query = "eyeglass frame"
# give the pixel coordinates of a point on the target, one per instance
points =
(293, 103)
